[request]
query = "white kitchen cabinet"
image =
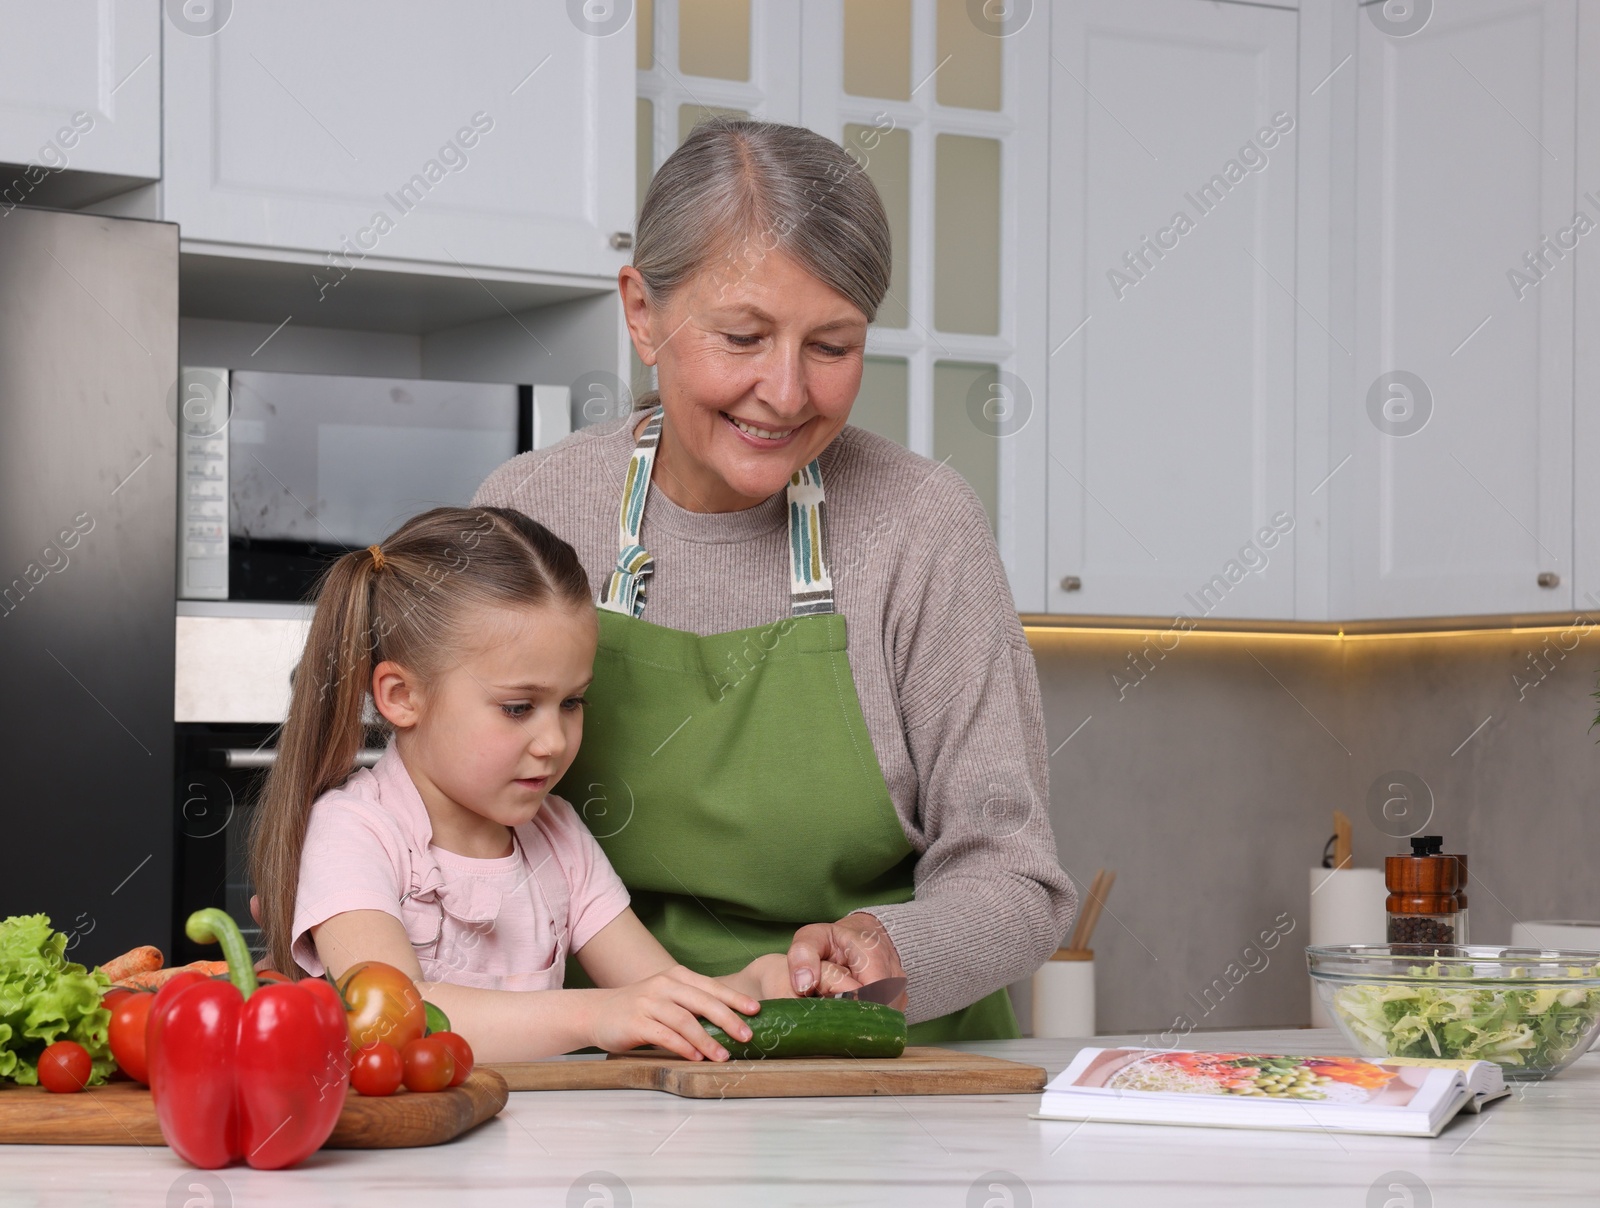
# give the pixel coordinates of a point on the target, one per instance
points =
(1171, 478)
(80, 92)
(1459, 498)
(1586, 362)
(500, 135)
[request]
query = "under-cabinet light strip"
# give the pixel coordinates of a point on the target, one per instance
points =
(1033, 629)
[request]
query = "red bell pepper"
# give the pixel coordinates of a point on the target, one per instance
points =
(244, 1070)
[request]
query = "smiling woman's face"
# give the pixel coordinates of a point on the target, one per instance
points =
(758, 367)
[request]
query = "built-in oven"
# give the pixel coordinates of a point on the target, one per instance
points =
(219, 775)
(283, 472)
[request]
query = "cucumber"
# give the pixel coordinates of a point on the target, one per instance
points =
(818, 1027)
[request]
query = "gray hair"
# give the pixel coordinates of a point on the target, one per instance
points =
(737, 189)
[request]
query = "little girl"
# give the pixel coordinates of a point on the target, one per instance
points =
(474, 633)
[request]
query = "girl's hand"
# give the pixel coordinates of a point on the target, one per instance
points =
(666, 1009)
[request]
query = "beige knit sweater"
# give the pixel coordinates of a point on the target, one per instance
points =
(946, 680)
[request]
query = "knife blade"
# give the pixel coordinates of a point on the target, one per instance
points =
(885, 990)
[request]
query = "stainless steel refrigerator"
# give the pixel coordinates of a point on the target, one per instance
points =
(88, 372)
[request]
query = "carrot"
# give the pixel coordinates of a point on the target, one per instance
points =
(157, 978)
(144, 959)
(143, 981)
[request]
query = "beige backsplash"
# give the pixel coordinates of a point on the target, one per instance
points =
(1210, 787)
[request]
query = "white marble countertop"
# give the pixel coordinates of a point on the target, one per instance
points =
(645, 1148)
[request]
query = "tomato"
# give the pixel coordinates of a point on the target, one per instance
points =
(429, 1064)
(377, 1070)
(381, 1004)
(272, 975)
(65, 1067)
(129, 1015)
(461, 1051)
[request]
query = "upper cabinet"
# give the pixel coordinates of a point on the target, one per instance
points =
(1458, 493)
(80, 92)
(1171, 476)
(497, 136)
(1313, 310)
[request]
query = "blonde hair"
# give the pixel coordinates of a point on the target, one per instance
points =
(737, 189)
(404, 601)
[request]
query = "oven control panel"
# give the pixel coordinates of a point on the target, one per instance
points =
(203, 408)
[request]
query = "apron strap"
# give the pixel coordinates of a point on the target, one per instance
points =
(550, 884)
(810, 585)
(625, 590)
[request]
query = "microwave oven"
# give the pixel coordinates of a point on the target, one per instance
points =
(281, 473)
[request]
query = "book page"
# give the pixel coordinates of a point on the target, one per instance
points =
(1257, 1077)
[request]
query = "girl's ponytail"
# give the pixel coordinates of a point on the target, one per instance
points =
(318, 744)
(404, 601)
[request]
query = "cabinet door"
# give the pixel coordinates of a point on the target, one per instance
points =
(100, 61)
(1458, 497)
(1172, 318)
(500, 136)
(1586, 362)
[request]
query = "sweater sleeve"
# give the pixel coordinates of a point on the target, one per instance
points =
(992, 901)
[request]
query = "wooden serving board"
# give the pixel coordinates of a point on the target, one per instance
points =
(122, 1113)
(918, 1071)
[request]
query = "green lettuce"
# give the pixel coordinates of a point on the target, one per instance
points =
(1531, 1026)
(45, 998)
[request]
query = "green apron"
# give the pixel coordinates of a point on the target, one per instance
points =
(730, 779)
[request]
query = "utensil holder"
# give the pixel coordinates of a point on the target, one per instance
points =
(1063, 995)
(1346, 908)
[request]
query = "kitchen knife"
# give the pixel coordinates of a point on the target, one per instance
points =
(885, 990)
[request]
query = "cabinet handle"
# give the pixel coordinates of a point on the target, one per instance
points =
(1072, 583)
(622, 240)
(265, 757)
(1549, 578)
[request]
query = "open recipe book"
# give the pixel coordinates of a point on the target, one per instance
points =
(1399, 1096)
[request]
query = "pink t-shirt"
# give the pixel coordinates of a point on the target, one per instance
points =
(501, 924)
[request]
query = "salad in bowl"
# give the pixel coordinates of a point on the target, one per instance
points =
(1531, 1011)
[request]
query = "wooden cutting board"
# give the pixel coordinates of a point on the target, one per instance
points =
(122, 1113)
(918, 1071)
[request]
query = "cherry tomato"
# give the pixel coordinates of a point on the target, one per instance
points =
(377, 1070)
(461, 1051)
(64, 1067)
(129, 1015)
(381, 1004)
(429, 1064)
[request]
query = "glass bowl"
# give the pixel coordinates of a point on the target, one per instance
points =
(1532, 1011)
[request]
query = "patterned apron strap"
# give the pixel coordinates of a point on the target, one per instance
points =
(625, 590)
(810, 585)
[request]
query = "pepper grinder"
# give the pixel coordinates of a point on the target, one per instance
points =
(1461, 895)
(1424, 904)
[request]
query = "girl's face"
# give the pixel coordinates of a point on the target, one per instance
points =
(499, 724)
(759, 363)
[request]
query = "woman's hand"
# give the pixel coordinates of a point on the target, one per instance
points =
(768, 977)
(666, 1009)
(857, 943)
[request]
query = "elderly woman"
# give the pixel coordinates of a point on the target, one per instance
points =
(815, 722)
